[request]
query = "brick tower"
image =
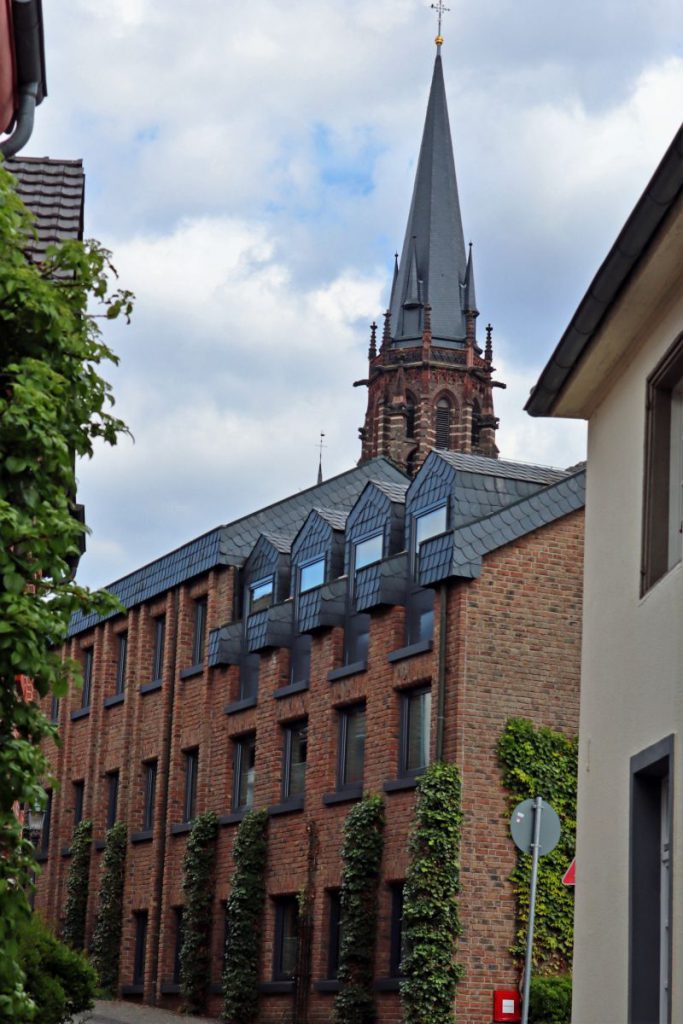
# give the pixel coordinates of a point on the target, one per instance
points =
(429, 382)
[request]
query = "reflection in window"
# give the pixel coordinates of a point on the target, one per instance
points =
(312, 575)
(351, 746)
(366, 552)
(430, 524)
(416, 709)
(245, 770)
(260, 595)
(295, 753)
(286, 938)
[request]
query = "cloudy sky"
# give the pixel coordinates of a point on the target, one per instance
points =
(250, 164)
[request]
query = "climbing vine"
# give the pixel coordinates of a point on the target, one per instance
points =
(198, 889)
(362, 856)
(430, 900)
(106, 945)
(245, 916)
(541, 762)
(76, 906)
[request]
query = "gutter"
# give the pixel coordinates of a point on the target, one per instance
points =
(27, 19)
(637, 235)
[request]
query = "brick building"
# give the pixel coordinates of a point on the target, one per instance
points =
(331, 645)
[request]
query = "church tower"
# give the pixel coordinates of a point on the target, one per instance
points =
(429, 382)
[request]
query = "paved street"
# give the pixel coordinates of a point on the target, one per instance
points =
(112, 1012)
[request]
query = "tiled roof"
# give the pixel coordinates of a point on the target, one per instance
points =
(502, 468)
(395, 492)
(336, 519)
(53, 190)
(231, 544)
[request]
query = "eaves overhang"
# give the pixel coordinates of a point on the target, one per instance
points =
(638, 271)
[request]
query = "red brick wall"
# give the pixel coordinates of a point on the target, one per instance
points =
(512, 648)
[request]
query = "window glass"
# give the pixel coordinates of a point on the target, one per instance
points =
(352, 744)
(312, 575)
(429, 525)
(159, 640)
(301, 658)
(417, 706)
(150, 781)
(286, 938)
(334, 934)
(79, 793)
(121, 663)
(675, 477)
(190, 798)
(112, 797)
(368, 551)
(199, 631)
(260, 595)
(245, 768)
(140, 947)
(87, 678)
(398, 932)
(296, 749)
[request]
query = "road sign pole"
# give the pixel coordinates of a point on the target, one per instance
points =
(535, 851)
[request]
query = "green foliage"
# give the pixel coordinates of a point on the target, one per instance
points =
(106, 945)
(362, 857)
(550, 1000)
(59, 980)
(53, 406)
(198, 891)
(245, 918)
(430, 899)
(77, 885)
(541, 762)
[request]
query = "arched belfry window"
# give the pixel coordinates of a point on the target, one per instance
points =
(410, 414)
(444, 422)
(476, 423)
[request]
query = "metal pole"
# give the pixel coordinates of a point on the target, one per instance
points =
(535, 851)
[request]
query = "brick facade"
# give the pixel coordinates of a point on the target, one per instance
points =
(511, 646)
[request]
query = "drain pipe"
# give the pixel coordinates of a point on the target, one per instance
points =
(441, 675)
(27, 19)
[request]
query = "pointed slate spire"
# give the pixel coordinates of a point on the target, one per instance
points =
(394, 280)
(433, 249)
(470, 301)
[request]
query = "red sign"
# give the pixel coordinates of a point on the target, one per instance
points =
(569, 877)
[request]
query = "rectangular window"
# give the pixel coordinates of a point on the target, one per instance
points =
(140, 947)
(178, 945)
(300, 671)
(312, 575)
(87, 678)
(420, 615)
(663, 484)
(365, 552)
(190, 795)
(286, 938)
(250, 666)
(54, 710)
(121, 662)
(45, 834)
(159, 644)
(351, 746)
(651, 884)
(416, 710)
(356, 638)
(334, 933)
(112, 797)
(294, 767)
(244, 772)
(79, 795)
(260, 595)
(199, 631)
(150, 784)
(427, 525)
(397, 947)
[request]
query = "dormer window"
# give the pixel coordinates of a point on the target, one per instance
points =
(311, 575)
(260, 595)
(367, 551)
(429, 524)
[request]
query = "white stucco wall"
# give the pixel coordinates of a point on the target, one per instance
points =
(632, 684)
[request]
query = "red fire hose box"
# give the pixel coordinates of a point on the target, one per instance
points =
(507, 1005)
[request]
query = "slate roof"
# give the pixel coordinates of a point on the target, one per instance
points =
(433, 258)
(395, 492)
(231, 544)
(336, 519)
(501, 467)
(54, 192)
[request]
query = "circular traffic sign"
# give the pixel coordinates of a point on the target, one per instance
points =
(522, 827)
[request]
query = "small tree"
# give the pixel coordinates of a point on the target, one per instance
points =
(362, 857)
(53, 405)
(245, 920)
(77, 886)
(430, 900)
(198, 892)
(106, 945)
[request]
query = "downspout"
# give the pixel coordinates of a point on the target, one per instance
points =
(441, 675)
(165, 774)
(23, 128)
(28, 46)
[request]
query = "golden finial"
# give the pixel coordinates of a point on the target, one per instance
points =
(440, 8)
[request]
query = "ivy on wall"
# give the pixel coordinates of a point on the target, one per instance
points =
(430, 900)
(362, 856)
(77, 885)
(198, 891)
(245, 918)
(537, 761)
(106, 945)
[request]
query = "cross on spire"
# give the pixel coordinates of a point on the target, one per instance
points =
(440, 9)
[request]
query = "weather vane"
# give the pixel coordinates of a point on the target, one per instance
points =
(321, 444)
(440, 9)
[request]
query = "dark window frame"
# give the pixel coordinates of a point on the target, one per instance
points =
(397, 930)
(86, 692)
(140, 946)
(159, 647)
(289, 729)
(79, 800)
(662, 382)
(121, 663)
(407, 697)
(199, 634)
(150, 770)
(191, 759)
(284, 907)
(260, 584)
(241, 745)
(47, 822)
(113, 780)
(334, 933)
(344, 714)
(308, 564)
